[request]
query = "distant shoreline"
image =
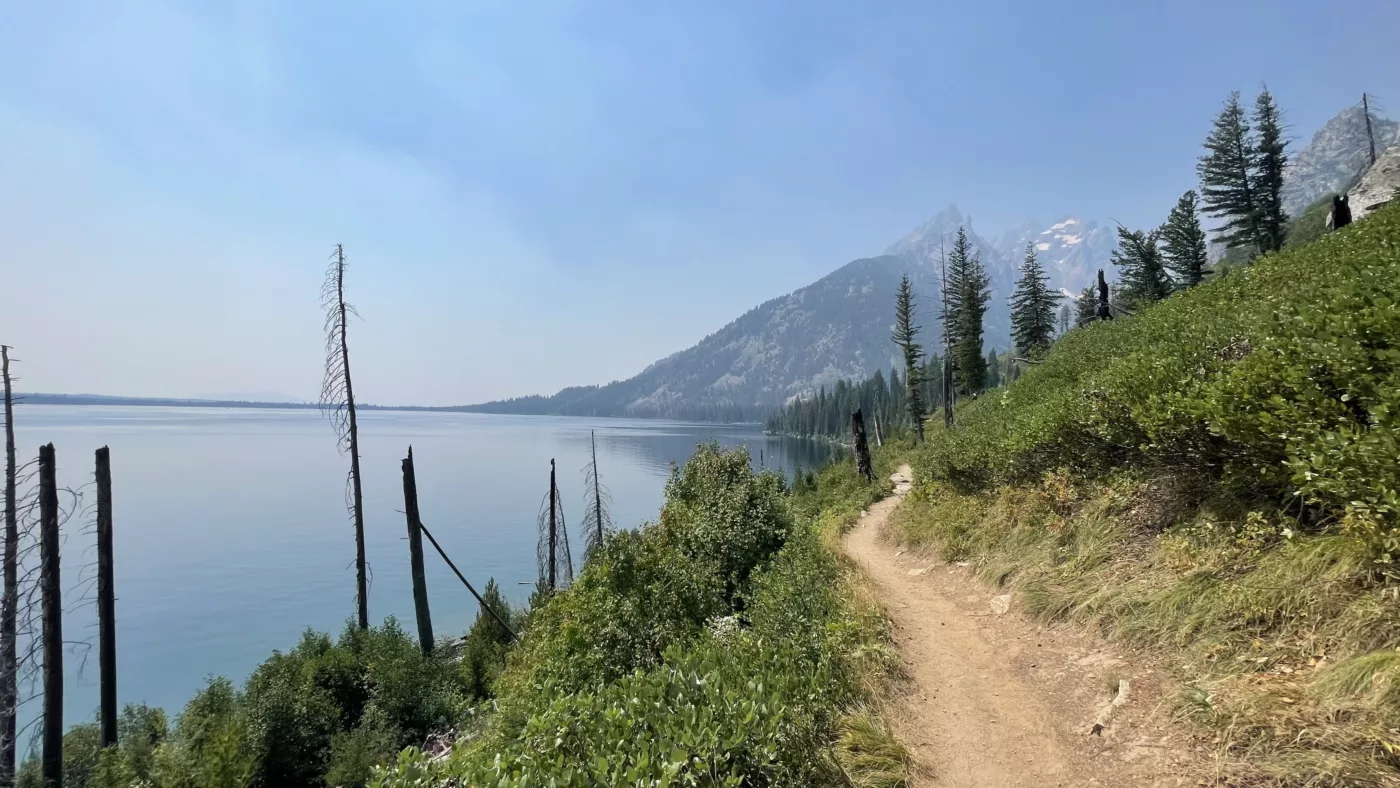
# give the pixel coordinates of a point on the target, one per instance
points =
(102, 399)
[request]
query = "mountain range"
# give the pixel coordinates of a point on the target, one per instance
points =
(838, 328)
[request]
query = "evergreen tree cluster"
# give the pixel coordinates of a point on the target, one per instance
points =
(827, 414)
(965, 305)
(1242, 175)
(1033, 310)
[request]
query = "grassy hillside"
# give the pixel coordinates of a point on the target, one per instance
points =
(1217, 480)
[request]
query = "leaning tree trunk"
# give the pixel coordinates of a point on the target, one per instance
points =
(52, 612)
(106, 602)
(1105, 309)
(879, 439)
(361, 574)
(9, 603)
(553, 531)
(415, 555)
(338, 401)
(862, 449)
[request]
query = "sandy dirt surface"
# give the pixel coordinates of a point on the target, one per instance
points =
(997, 700)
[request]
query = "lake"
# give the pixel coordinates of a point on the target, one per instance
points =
(232, 536)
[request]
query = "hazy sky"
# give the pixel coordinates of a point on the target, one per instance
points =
(536, 194)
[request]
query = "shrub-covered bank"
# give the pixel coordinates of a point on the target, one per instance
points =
(716, 646)
(723, 644)
(1214, 479)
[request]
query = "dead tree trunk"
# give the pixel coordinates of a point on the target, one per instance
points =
(879, 439)
(338, 402)
(1370, 134)
(948, 389)
(106, 601)
(1105, 310)
(460, 576)
(52, 612)
(861, 448)
(361, 573)
(9, 603)
(415, 555)
(553, 531)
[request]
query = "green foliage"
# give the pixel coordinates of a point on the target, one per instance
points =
(488, 643)
(1184, 243)
(1277, 380)
(1309, 225)
(1227, 182)
(355, 753)
(905, 336)
(1086, 306)
(1032, 309)
(81, 747)
(324, 711)
(713, 647)
(967, 293)
(1269, 163)
(1144, 277)
(828, 414)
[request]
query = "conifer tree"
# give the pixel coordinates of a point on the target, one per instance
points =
(1066, 318)
(1269, 162)
(993, 369)
(1144, 279)
(1184, 243)
(1227, 188)
(905, 335)
(1086, 307)
(1033, 308)
(968, 293)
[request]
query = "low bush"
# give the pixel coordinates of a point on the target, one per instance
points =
(1278, 381)
(714, 647)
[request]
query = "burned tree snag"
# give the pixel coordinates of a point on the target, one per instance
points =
(106, 602)
(862, 449)
(9, 603)
(1105, 311)
(553, 531)
(338, 403)
(415, 555)
(52, 611)
(879, 439)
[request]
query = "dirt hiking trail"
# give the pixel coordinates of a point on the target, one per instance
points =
(998, 701)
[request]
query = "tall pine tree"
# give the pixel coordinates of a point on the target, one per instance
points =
(1269, 161)
(1033, 308)
(993, 369)
(967, 296)
(906, 335)
(1144, 279)
(1066, 318)
(1227, 188)
(1184, 243)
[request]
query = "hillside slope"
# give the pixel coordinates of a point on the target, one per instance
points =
(1214, 481)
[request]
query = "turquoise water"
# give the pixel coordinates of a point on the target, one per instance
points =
(231, 533)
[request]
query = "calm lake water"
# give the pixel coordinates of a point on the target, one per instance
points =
(231, 534)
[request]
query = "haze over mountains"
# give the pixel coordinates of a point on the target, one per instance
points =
(838, 327)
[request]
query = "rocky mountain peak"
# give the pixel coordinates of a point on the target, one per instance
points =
(1335, 157)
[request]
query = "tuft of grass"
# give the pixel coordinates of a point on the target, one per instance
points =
(868, 753)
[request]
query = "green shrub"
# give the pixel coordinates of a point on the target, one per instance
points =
(711, 648)
(1280, 379)
(487, 644)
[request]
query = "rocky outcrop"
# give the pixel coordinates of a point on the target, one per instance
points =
(1378, 186)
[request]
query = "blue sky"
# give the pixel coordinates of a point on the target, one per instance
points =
(542, 194)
